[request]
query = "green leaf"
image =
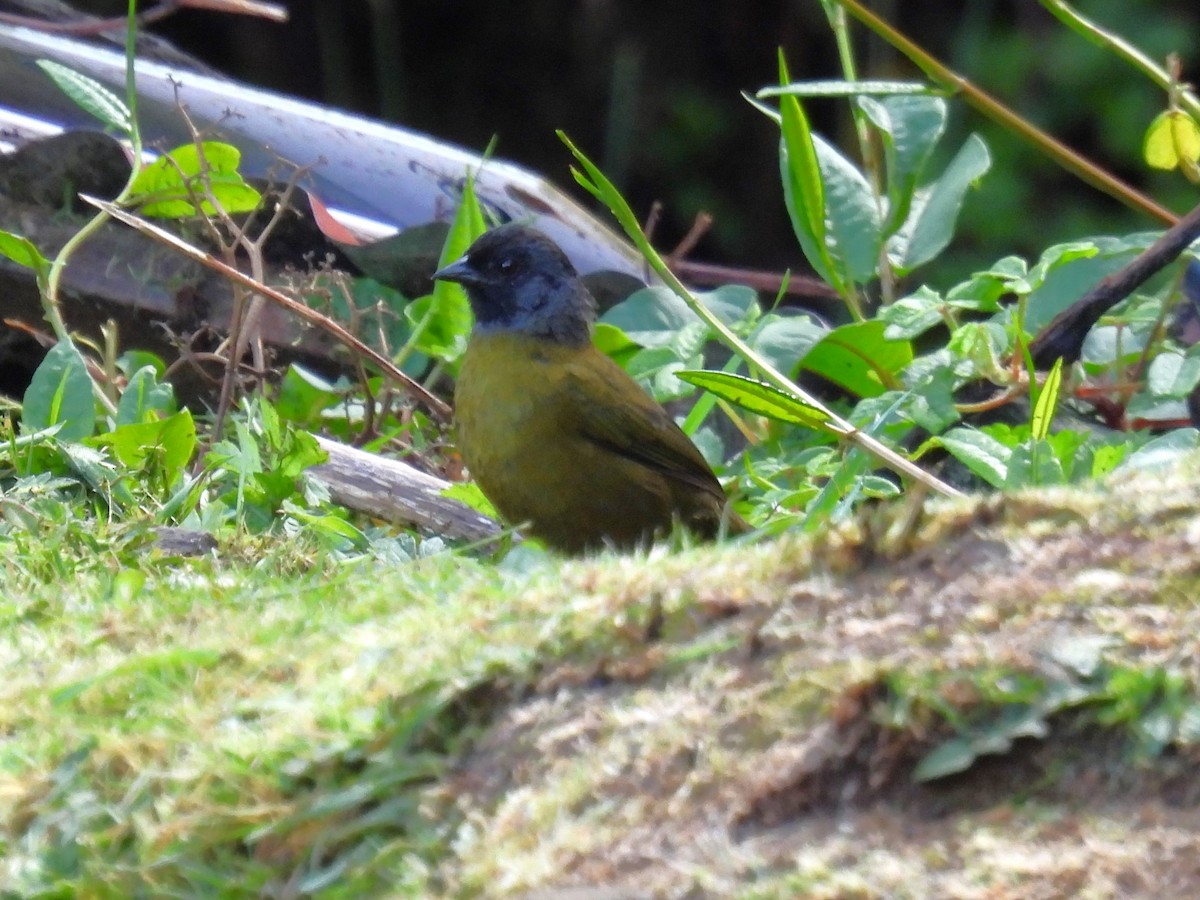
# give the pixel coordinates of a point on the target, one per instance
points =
(1046, 401)
(1172, 137)
(860, 359)
(145, 398)
(910, 126)
(979, 347)
(784, 340)
(948, 758)
(803, 188)
(470, 494)
(757, 397)
(656, 367)
(853, 230)
(1034, 463)
(981, 292)
(60, 393)
(23, 252)
(303, 395)
(654, 316)
(168, 442)
(912, 316)
(1109, 347)
(1174, 374)
(935, 207)
(170, 186)
(442, 321)
(985, 456)
(131, 360)
(838, 88)
(1163, 450)
(931, 402)
(90, 95)
(1066, 271)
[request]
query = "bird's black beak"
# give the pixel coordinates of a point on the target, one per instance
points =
(460, 271)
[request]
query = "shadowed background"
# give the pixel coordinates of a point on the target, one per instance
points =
(653, 93)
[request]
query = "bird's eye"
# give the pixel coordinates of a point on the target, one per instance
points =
(506, 264)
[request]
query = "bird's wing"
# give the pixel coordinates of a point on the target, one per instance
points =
(614, 412)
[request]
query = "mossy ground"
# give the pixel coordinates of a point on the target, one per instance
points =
(742, 720)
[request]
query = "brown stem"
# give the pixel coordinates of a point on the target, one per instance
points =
(1063, 337)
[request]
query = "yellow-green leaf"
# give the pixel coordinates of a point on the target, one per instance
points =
(1173, 137)
(757, 397)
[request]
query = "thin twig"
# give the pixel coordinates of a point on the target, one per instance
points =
(436, 406)
(700, 226)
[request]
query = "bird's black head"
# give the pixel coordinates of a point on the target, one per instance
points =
(518, 279)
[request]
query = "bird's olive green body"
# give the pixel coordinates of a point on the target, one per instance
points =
(561, 438)
(565, 444)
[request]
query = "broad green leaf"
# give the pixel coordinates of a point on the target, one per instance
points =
(303, 395)
(615, 343)
(172, 440)
(1065, 272)
(1032, 464)
(985, 456)
(935, 207)
(1163, 450)
(442, 320)
(912, 316)
(170, 186)
(853, 231)
(757, 397)
(23, 252)
(60, 393)
(1174, 374)
(860, 359)
(1173, 137)
(785, 340)
(656, 369)
(131, 361)
(654, 316)
(980, 347)
(98, 472)
(1110, 347)
(1106, 458)
(90, 95)
(145, 398)
(981, 292)
(468, 492)
(948, 758)
(440, 324)
(910, 126)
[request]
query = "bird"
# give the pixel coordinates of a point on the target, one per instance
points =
(561, 440)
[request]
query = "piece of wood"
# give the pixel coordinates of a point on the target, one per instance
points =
(396, 492)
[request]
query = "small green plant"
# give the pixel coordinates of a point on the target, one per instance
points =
(986, 711)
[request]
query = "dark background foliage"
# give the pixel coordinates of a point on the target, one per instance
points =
(653, 92)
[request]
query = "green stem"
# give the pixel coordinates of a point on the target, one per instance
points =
(1070, 17)
(867, 148)
(51, 305)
